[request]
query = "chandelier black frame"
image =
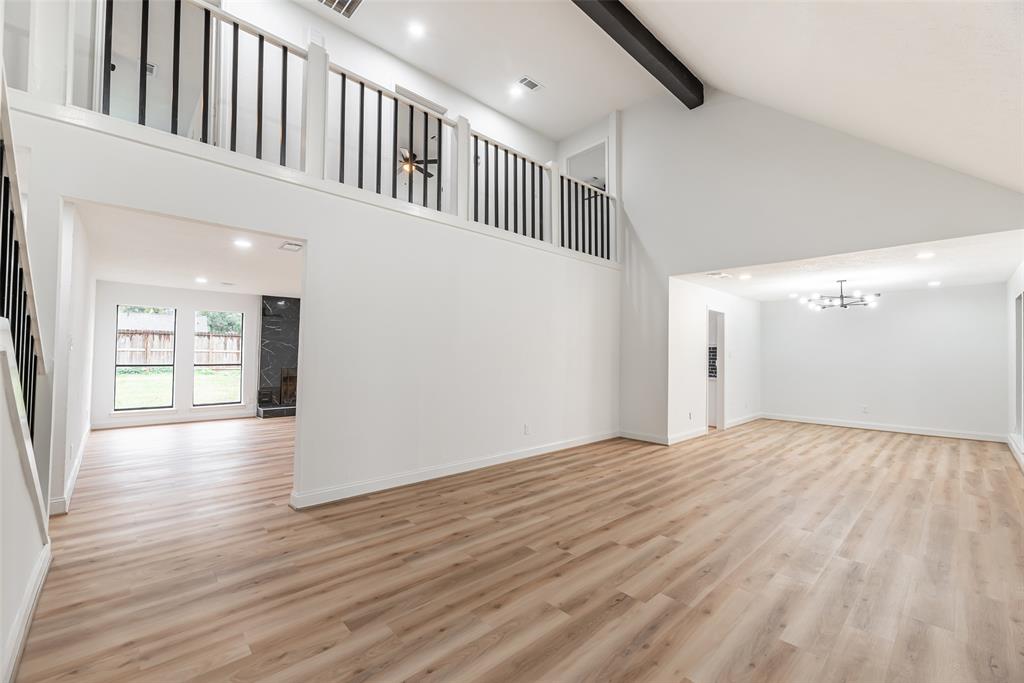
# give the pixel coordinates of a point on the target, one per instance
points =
(818, 302)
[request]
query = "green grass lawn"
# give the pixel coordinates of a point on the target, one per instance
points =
(137, 388)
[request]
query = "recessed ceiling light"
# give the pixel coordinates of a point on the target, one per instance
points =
(934, 283)
(924, 255)
(857, 292)
(243, 243)
(516, 90)
(793, 295)
(201, 280)
(745, 276)
(291, 246)
(416, 29)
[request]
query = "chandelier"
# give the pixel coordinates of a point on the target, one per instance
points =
(818, 302)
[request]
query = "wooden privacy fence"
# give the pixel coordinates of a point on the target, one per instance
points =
(147, 347)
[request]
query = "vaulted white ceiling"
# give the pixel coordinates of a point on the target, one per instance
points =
(484, 46)
(942, 81)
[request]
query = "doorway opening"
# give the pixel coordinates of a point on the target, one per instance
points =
(716, 371)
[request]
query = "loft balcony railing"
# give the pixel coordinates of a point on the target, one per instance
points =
(17, 299)
(235, 86)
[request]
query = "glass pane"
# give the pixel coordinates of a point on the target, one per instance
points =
(143, 387)
(217, 384)
(145, 335)
(218, 339)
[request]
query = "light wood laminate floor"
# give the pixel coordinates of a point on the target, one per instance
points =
(768, 552)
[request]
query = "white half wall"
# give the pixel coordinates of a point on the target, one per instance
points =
(427, 342)
(739, 358)
(109, 295)
(925, 361)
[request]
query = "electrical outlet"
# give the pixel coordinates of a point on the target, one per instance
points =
(526, 429)
(864, 410)
(691, 416)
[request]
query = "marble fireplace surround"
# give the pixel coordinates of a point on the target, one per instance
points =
(279, 351)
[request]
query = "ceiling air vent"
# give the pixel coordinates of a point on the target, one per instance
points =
(718, 275)
(529, 83)
(290, 246)
(343, 7)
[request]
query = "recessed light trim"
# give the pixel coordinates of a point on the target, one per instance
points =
(243, 243)
(925, 255)
(201, 279)
(290, 246)
(745, 276)
(935, 283)
(416, 29)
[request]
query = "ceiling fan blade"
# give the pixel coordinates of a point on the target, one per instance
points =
(429, 161)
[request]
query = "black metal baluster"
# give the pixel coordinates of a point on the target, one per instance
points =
(341, 154)
(515, 193)
(259, 97)
(32, 400)
(440, 145)
(426, 150)
(506, 189)
(143, 64)
(284, 105)
(394, 151)
(108, 55)
(410, 167)
(487, 182)
(234, 86)
(175, 66)
(533, 200)
(205, 137)
(26, 389)
(359, 147)
(4, 255)
(540, 200)
(476, 178)
(496, 195)
(380, 130)
(576, 214)
(522, 200)
(12, 291)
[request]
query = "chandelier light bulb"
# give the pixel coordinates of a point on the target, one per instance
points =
(815, 296)
(873, 304)
(858, 293)
(803, 300)
(869, 298)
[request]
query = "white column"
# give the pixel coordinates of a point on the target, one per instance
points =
(464, 167)
(47, 50)
(554, 210)
(314, 128)
(615, 179)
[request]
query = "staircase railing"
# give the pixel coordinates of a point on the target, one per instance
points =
(17, 300)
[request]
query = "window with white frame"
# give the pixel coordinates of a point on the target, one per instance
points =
(144, 358)
(217, 362)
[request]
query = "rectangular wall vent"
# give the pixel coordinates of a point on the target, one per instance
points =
(719, 275)
(290, 246)
(529, 83)
(343, 7)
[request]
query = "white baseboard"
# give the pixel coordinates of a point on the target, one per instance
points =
(145, 418)
(336, 493)
(23, 618)
(679, 437)
(649, 438)
(742, 420)
(61, 505)
(1017, 449)
(881, 427)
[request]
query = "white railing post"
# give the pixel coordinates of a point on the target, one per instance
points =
(464, 167)
(554, 192)
(314, 119)
(614, 183)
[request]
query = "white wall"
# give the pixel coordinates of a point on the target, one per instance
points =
(931, 361)
(427, 342)
(739, 357)
(1014, 288)
(72, 359)
(24, 546)
(735, 183)
(293, 23)
(109, 295)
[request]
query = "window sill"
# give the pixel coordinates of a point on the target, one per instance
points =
(143, 411)
(218, 406)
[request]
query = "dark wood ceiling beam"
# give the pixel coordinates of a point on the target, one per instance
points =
(626, 30)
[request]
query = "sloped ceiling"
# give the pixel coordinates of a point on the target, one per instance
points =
(942, 81)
